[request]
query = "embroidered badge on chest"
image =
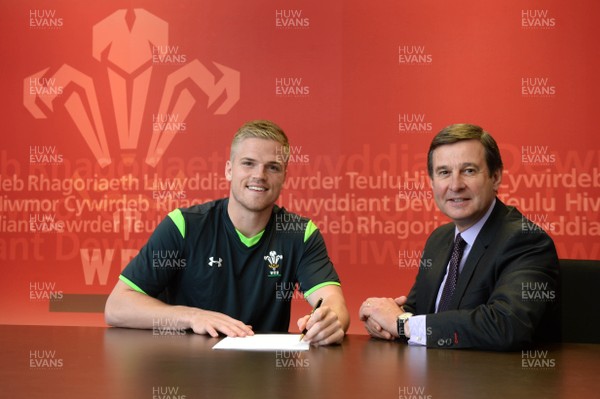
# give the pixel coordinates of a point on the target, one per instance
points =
(273, 262)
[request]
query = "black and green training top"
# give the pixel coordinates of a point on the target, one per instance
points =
(196, 257)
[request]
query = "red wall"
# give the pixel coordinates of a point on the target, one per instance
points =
(360, 88)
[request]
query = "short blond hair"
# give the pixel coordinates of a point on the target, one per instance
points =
(261, 129)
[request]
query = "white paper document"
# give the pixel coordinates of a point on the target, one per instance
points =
(264, 342)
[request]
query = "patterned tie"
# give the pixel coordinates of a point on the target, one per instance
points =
(450, 286)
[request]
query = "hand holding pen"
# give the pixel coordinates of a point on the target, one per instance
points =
(317, 306)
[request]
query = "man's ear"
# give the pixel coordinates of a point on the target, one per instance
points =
(228, 170)
(497, 179)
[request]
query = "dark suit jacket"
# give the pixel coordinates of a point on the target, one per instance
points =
(506, 287)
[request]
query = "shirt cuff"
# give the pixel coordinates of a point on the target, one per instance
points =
(418, 330)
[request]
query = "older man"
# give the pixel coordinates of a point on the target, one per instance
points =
(486, 280)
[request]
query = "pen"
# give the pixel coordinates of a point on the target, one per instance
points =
(317, 306)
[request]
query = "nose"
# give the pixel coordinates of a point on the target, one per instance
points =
(456, 182)
(258, 172)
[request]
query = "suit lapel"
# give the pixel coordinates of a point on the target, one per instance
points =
(482, 242)
(439, 260)
(465, 275)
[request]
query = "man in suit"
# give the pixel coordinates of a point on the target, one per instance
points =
(487, 279)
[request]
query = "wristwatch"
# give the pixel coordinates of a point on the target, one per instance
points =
(401, 320)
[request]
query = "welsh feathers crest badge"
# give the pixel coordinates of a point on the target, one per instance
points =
(273, 260)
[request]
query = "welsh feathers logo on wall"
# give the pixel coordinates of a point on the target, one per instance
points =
(131, 43)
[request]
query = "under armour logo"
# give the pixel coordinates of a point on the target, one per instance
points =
(212, 261)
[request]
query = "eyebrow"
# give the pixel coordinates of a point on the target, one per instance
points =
(467, 164)
(267, 163)
(276, 163)
(462, 166)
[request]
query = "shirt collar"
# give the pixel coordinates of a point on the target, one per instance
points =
(470, 234)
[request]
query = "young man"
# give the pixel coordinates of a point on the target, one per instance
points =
(237, 259)
(477, 294)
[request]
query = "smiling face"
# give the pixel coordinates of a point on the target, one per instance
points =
(462, 186)
(257, 172)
